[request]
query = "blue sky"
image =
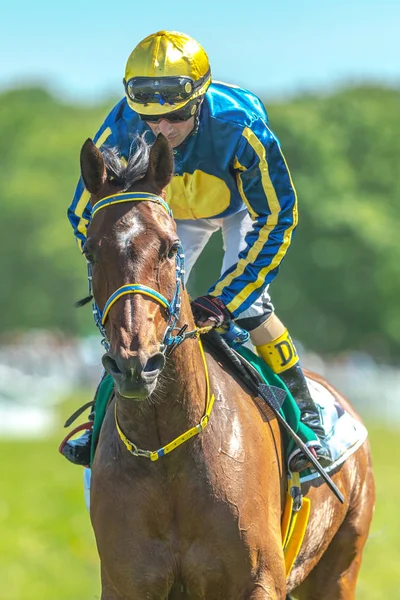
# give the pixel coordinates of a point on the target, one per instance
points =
(79, 48)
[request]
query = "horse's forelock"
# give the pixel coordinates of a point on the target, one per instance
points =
(126, 174)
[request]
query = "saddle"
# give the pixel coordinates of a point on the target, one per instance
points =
(232, 360)
(271, 394)
(343, 432)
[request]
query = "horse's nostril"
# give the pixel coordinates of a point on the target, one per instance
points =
(154, 363)
(110, 365)
(132, 369)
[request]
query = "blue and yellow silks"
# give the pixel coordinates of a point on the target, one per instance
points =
(231, 162)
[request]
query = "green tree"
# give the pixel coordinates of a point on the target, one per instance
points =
(340, 283)
(41, 268)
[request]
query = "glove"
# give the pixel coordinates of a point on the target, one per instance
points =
(210, 308)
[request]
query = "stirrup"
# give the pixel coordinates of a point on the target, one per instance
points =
(298, 461)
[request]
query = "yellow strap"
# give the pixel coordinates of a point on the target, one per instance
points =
(130, 291)
(296, 538)
(286, 518)
(129, 197)
(294, 524)
(156, 454)
(293, 481)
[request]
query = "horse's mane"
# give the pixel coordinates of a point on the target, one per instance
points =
(124, 173)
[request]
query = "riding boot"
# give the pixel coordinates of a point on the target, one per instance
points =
(280, 354)
(309, 414)
(77, 451)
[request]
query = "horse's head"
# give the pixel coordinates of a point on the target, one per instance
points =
(128, 243)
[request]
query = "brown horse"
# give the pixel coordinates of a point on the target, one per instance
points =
(203, 522)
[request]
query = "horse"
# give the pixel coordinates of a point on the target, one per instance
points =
(203, 521)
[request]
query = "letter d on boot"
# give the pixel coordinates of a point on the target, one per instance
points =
(280, 354)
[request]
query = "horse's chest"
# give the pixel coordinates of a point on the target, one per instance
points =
(192, 569)
(184, 544)
(196, 525)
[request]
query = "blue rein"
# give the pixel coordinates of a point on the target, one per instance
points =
(172, 308)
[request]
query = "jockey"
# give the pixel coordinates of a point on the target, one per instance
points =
(229, 174)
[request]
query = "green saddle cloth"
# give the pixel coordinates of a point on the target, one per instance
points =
(104, 393)
(289, 408)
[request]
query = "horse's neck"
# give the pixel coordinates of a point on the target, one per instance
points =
(176, 405)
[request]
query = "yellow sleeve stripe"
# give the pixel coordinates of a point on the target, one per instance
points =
(267, 184)
(251, 287)
(263, 235)
(84, 199)
(239, 167)
(80, 207)
(270, 223)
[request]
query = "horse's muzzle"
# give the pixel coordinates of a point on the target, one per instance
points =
(134, 377)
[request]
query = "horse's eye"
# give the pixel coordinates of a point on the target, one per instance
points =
(173, 250)
(87, 254)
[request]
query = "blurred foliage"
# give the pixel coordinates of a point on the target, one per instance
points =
(47, 546)
(339, 284)
(41, 268)
(341, 281)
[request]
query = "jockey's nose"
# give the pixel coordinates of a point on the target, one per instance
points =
(164, 127)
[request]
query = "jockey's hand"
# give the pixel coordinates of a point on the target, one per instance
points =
(209, 311)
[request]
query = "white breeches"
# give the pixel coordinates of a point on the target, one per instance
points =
(194, 235)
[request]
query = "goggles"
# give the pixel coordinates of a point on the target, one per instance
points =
(178, 116)
(162, 90)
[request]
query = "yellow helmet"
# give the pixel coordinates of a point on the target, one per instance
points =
(165, 72)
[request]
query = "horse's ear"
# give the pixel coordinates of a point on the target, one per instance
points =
(161, 162)
(93, 168)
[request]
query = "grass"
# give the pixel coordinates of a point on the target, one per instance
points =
(380, 570)
(47, 548)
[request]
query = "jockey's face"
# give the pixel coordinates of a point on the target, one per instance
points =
(175, 132)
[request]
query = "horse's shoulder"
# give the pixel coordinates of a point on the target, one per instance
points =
(230, 390)
(225, 377)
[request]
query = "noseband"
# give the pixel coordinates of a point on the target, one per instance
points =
(172, 308)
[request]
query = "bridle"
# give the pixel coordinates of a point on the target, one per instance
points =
(172, 307)
(170, 341)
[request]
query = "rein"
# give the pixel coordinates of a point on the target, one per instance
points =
(170, 342)
(156, 454)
